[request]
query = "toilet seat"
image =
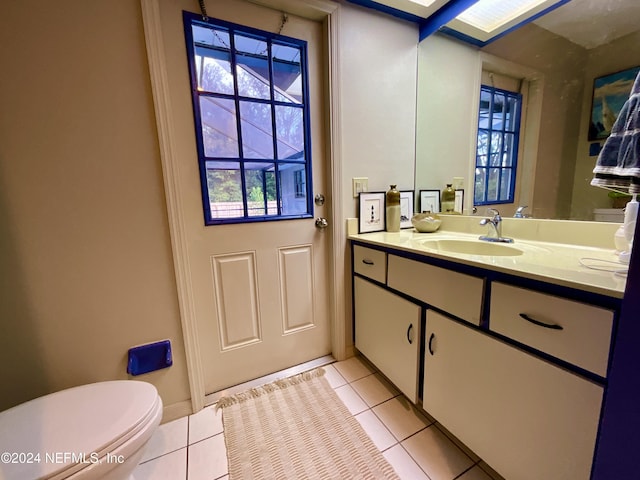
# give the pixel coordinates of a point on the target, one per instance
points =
(74, 430)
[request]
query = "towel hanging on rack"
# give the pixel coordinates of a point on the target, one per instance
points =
(618, 165)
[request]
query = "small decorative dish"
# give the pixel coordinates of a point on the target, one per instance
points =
(425, 222)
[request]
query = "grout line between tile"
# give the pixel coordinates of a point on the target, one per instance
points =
(163, 455)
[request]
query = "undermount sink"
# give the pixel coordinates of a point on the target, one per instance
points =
(473, 247)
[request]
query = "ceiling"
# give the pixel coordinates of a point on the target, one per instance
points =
(589, 23)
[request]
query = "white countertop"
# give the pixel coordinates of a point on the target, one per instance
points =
(556, 263)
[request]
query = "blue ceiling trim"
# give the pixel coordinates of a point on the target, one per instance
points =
(443, 16)
(480, 43)
(388, 10)
(461, 36)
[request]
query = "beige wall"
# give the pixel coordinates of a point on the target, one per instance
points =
(448, 73)
(85, 257)
(618, 55)
(378, 60)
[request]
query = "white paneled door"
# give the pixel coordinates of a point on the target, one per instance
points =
(259, 291)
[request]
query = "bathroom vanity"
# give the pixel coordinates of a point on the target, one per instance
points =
(507, 349)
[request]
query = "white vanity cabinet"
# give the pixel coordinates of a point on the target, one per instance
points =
(527, 418)
(454, 292)
(515, 368)
(572, 331)
(388, 333)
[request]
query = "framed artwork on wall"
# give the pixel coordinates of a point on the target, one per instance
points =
(609, 94)
(429, 201)
(458, 204)
(406, 208)
(371, 212)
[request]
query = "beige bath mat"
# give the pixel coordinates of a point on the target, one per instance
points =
(297, 428)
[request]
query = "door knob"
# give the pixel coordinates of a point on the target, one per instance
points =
(322, 222)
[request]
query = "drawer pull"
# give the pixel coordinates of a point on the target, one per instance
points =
(433, 335)
(553, 326)
(409, 339)
(366, 261)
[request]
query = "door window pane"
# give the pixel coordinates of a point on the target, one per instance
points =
(212, 60)
(290, 133)
(261, 189)
(224, 187)
(257, 131)
(252, 68)
(287, 73)
(219, 128)
(294, 188)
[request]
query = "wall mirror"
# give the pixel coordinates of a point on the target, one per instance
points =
(553, 61)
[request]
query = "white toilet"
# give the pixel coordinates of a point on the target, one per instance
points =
(95, 431)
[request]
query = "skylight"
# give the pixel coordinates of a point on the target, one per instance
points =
(487, 19)
(488, 15)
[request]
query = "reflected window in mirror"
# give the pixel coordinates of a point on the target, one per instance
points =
(497, 147)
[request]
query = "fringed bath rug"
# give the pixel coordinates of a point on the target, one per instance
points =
(297, 428)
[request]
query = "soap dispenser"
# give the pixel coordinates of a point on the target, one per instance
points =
(629, 227)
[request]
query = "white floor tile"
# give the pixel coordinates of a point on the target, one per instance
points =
(204, 424)
(168, 437)
(353, 368)
(374, 389)
(400, 417)
(351, 399)
(208, 459)
(172, 466)
(460, 445)
(380, 436)
(403, 464)
(438, 456)
(333, 376)
(476, 473)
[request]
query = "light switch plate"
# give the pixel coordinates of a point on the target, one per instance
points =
(360, 184)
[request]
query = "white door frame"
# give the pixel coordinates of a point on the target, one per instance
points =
(320, 10)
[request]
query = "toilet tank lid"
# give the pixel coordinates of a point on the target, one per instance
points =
(81, 420)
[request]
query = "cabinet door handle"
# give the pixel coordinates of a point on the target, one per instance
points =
(553, 326)
(431, 337)
(409, 339)
(366, 261)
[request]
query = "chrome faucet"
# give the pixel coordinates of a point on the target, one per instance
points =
(495, 228)
(519, 211)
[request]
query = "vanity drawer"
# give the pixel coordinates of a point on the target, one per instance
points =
(585, 336)
(370, 263)
(456, 293)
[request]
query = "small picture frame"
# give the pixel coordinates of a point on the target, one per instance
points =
(371, 212)
(430, 201)
(458, 204)
(406, 208)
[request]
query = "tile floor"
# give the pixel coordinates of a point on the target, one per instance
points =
(193, 448)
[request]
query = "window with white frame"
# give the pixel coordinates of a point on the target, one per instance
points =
(249, 90)
(497, 147)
